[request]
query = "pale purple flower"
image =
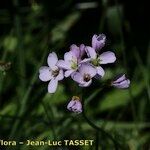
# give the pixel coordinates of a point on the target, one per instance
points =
(85, 75)
(70, 63)
(98, 41)
(78, 51)
(97, 60)
(51, 73)
(121, 82)
(75, 105)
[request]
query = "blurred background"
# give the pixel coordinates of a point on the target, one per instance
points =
(31, 29)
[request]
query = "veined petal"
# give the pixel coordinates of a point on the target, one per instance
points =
(87, 69)
(122, 85)
(68, 73)
(82, 50)
(86, 84)
(77, 77)
(90, 52)
(52, 60)
(71, 104)
(45, 73)
(69, 56)
(75, 50)
(107, 57)
(85, 60)
(94, 41)
(100, 71)
(120, 78)
(60, 75)
(63, 64)
(52, 86)
(77, 107)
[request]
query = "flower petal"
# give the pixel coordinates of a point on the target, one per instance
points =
(86, 84)
(71, 104)
(90, 52)
(60, 76)
(63, 64)
(77, 77)
(100, 71)
(85, 60)
(45, 73)
(77, 107)
(122, 85)
(107, 57)
(52, 86)
(82, 50)
(87, 69)
(75, 50)
(68, 73)
(94, 41)
(52, 60)
(69, 56)
(120, 78)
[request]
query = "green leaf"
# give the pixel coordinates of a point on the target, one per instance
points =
(117, 97)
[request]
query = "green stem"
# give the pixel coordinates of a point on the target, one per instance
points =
(98, 129)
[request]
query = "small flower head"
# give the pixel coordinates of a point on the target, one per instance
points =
(121, 82)
(98, 41)
(69, 64)
(85, 75)
(75, 105)
(98, 59)
(51, 73)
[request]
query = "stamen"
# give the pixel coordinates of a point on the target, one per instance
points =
(87, 77)
(55, 73)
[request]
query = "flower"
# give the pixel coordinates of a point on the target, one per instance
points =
(97, 60)
(121, 82)
(51, 73)
(78, 51)
(75, 105)
(72, 59)
(98, 41)
(70, 63)
(85, 75)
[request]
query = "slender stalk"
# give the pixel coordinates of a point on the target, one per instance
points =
(100, 130)
(97, 128)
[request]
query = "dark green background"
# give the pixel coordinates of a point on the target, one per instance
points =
(29, 30)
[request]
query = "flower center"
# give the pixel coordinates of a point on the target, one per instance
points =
(87, 77)
(55, 72)
(95, 62)
(74, 64)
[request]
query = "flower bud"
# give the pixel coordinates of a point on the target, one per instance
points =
(98, 41)
(75, 105)
(121, 82)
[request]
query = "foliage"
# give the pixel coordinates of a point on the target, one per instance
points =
(32, 29)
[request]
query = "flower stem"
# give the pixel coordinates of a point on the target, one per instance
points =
(99, 130)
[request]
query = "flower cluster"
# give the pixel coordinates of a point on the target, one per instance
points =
(82, 64)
